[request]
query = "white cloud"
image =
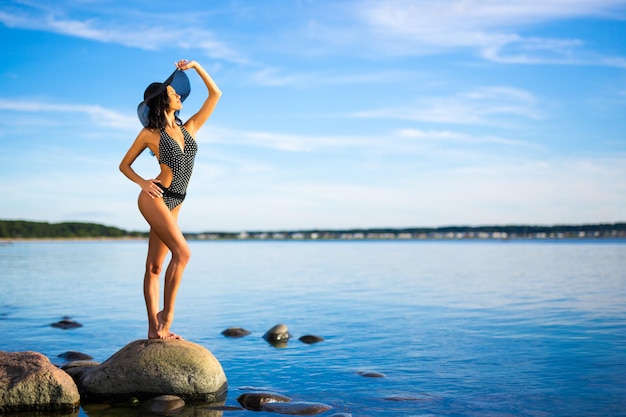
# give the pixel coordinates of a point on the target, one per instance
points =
(279, 77)
(447, 137)
(283, 141)
(485, 106)
(99, 115)
(489, 26)
(134, 33)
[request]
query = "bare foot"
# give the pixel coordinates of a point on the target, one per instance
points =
(163, 329)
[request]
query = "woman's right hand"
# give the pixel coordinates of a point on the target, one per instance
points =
(183, 64)
(152, 189)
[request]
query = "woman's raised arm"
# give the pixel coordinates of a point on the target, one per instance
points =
(197, 120)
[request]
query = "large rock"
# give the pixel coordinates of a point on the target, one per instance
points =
(149, 368)
(28, 381)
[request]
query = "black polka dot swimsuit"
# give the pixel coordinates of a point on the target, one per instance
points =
(180, 162)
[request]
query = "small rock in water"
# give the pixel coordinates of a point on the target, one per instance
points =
(235, 332)
(370, 374)
(277, 335)
(75, 356)
(310, 339)
(66, 323)
(296, 408)
(255, 400)
(164, 404)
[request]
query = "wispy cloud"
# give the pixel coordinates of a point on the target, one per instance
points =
(287, 142)
(133, 32)
(447, 137)
(401, 141)
(279, 77)
(486, 106)
(491, 27)
(99, 115)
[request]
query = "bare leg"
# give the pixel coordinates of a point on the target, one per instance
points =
(154, 263)
(164, 234)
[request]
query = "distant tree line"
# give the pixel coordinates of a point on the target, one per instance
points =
(515, 230)
(22, 229)
(608, 230)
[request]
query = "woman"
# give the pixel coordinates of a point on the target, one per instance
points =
(173, 143)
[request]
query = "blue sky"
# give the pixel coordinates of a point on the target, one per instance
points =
(334, 114)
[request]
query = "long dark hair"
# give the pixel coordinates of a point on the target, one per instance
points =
(158, 105)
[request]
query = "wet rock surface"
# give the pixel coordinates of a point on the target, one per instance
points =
(29, 382)
(277, 403)
(256, 400)
(145, 369)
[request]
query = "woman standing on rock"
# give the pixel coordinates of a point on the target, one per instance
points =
(174, 145)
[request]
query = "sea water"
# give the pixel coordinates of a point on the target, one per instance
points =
(457, 328)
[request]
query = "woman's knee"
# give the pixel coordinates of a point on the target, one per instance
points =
(182, 253)
(154, 267)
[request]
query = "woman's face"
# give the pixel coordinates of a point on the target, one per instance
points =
(175, 103)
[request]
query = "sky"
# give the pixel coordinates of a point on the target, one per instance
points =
(334, 114)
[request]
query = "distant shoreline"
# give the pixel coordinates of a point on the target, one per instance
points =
(70, 239)
(21, 230)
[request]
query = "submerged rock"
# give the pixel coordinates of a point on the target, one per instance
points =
(371, 374)
(66, 324)
(256, 400)
(277, 335)
(235, 332)
(310, 339)
(149, 368)
(29, 382)
(297, 408)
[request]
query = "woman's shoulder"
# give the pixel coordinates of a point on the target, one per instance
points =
(150, 134)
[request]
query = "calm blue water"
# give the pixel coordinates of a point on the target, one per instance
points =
(457, 328)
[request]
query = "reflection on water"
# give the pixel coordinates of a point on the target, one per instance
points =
(456, 328)
(106, 410)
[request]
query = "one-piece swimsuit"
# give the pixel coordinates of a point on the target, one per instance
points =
(180, 161)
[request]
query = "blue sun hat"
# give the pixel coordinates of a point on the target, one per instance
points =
(178, 80)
